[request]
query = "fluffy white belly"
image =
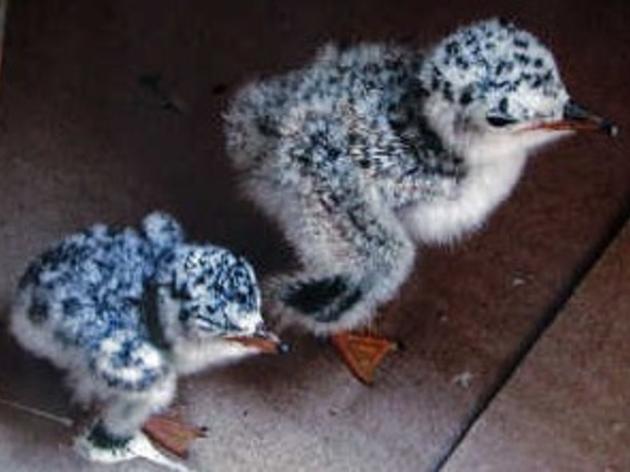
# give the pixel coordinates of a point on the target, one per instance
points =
(481, 191)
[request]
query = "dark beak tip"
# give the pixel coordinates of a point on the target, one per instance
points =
(611, 129)
(284, 348)
(576, 113)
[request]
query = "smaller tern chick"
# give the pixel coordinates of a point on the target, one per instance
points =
(126, 312)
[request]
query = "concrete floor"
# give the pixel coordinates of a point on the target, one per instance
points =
(567, 406)
(83, 138)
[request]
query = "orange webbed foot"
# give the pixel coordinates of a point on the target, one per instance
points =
(362, 352)
(172, 434)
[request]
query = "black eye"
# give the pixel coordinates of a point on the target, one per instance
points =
(500, 121)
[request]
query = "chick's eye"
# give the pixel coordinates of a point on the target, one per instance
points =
(500, 121)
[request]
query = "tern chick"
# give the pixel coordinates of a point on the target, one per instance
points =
(370, 151)
(126, 312)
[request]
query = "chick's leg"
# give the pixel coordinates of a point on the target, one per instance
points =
(109, 438)
(140, 384)
(355, 255)
(124, 418)
(115, 436)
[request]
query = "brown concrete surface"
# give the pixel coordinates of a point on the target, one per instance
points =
(81, 139)
(567, 408)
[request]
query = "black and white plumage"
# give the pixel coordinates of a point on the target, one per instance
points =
(369, 151)
(126, 312)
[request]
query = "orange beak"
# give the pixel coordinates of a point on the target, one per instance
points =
(577, 118)
(264, 341)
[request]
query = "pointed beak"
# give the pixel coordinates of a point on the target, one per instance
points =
(577, 118)
(264, 341)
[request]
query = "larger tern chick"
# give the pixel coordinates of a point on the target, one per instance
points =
(370, 151)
